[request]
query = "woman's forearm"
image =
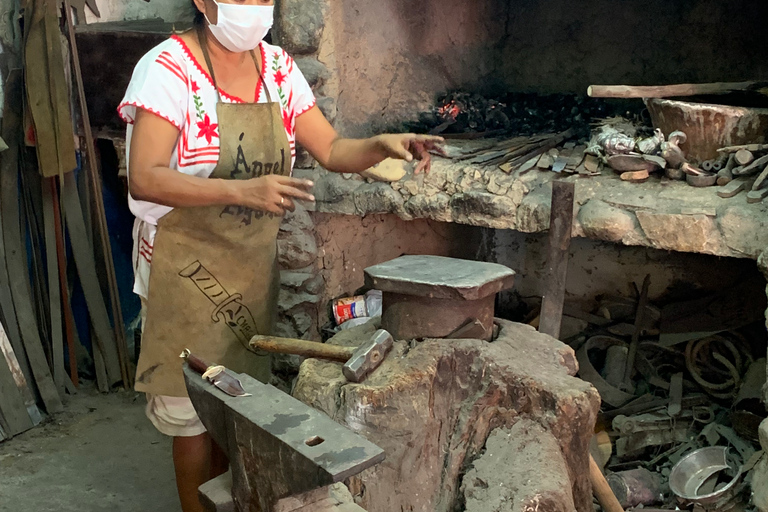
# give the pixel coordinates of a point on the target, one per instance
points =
(354, 155)
(168, 187)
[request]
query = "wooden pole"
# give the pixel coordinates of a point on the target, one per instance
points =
(669, 91)
(560, 225)
(602, 490)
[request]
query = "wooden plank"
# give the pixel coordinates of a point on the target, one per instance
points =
(86, 269)
(13, 411)
(731, 188)
(560, 225)
(15, 252)
(54, 295)
(21, 381)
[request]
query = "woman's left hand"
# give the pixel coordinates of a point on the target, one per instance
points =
(407, 146)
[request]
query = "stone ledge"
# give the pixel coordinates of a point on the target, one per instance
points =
(669, 216)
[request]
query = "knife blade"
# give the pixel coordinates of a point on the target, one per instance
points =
(215, 374)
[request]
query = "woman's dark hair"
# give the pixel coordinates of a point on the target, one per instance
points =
(199, 20)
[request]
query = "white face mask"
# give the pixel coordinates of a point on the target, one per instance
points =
(240, 28)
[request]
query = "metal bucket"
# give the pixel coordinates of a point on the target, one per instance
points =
(708, 126)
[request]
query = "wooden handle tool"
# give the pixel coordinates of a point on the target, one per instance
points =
(302, 348)
(601, 489)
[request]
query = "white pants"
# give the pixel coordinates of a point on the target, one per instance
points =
(171, 415)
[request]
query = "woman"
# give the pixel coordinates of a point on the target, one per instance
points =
(214, 115)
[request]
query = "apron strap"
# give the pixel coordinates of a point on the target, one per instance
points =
(202, 37)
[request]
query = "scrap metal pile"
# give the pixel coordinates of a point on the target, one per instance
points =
(681, 385)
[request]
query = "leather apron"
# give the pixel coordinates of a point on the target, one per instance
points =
(214, 282)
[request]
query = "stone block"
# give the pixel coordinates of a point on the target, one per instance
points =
(437, 207)
(377, 198)
(299, 25)
(539, 473)
(744, 232)
(473, 203)
(297, 250)
(684, 233)
(433, 405)
(287, 300)
(313, 70)
(601, 221)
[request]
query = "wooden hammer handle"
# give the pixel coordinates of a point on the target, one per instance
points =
(601, 489)
(302, 348)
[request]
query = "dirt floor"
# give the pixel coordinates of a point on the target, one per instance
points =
(100, 455)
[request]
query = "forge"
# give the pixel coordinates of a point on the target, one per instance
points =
(506, 425)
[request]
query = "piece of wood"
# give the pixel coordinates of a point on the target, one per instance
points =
(755, 196)
(15, 250)
(744, 157)
(751, 168)
(725, 175)
(760, 180)
(601, 489)
(14, 417)
(560, 226)
(670, 91)
(545, 161)
(104, 345)
(635, 176)
(642, 304)
(302, 348)
(748, 147)
(95, 179)
(69, 318)
(51, 254)
(732, 188)
(21, 381)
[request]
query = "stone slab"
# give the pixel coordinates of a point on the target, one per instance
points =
(438, 277)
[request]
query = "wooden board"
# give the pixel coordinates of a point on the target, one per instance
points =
(86, 269)
(54, 295)
(15, 252)
(14, 417)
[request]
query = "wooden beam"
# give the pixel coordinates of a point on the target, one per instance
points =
(670, 91)
(54, 292)
(560, 225)
(13, 411)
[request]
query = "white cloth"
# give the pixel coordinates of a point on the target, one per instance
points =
(169, 82)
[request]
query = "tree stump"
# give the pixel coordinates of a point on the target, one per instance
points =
(432, 406)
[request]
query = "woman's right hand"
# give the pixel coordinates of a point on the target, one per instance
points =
(272, 193)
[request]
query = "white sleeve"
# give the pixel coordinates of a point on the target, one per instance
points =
(159, 85)
(302, 98)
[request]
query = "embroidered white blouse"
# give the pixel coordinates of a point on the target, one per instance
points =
(169, 82)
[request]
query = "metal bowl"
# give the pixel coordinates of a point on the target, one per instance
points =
(708, 126)
(688, 475)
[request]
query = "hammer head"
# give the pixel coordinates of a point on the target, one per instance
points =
(368, 356)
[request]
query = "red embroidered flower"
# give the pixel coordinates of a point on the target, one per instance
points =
(280, 77)
(195, 87)
(207, 129)
(287, 123)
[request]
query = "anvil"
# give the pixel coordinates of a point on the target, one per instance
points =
(278, 447)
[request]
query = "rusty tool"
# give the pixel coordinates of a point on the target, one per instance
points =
(358, 362)
(215, 374)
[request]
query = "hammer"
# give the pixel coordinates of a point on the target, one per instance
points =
(358, 362)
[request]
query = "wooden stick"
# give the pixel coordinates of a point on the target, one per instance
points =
(748, 147)
(543, 148)
(669, 91)
(69, 319)
(725, 175)
(601, 489)
(117, 315)
(560, 225)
